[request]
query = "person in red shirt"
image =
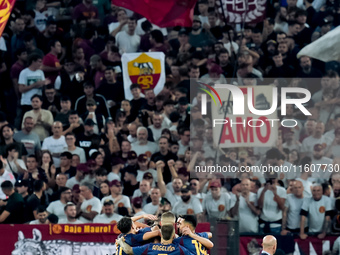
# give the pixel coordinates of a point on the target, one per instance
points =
(51, 65)
(17, 67)
(98, 69)
(88, 10)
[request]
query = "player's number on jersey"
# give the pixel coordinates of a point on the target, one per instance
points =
(120, 251)
(199, 249)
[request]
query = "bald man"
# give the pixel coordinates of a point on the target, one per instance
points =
(269, 244)
(55, 143)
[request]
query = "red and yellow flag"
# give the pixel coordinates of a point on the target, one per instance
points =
(6, 7)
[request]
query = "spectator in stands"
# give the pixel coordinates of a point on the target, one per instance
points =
(152, 207)
(188, 204)
(88, 139)
(14, 209)
(55, 143)
(75, 125)
(291, 214)
(22, 189)
(42, 216)
(51, 65)
(80, 105)
(137, 204)
(31, 80)
(43, 119)
(318, 210)
(57, 207)
(88, 10)
(63, 114)
(128, 41)
(70, 210)
(109, 216)
(82, 170)
(116, 196)
(13, 163)
(247, 208)
(143, 191)
(28, 137)
(142, 145)
(88, 206)
(34, 200)
(70, 139)
(130, 181)
(271, 217)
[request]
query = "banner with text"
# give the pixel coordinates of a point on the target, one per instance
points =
(247, 129)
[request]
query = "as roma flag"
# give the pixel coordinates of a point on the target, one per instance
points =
(163, 13)
(6, 7)
(239, 11)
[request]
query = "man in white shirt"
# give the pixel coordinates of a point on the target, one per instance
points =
(70, 210)
(88, 206)
(57, 207)
(55, 143)
(247, 209)
(143, 146)
(82, 171)
(116, 196)
(318, 210)
(143, 191)
(152, 207)
(157, 127)
(5, 176)
(41, 215)
(183, 143)
(195, 187)
(128, 41)
(291, 213)
(188, 204)
(31, 80)
(317, 138)
(271, 201)
(217, 204)
(169, 107)
(109, 216)
(121, 25)
(320, 166)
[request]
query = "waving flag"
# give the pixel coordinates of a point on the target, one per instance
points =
(6, 7)
(163, 13)
(239, 11)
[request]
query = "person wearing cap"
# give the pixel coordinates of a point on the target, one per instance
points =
(93, 114)
(290, 141)
(142, 145)
(152, 207)
(319, 159)
(80, 105)
(70, 211)
(109, 216)
(137, 206)
(188, 204)
(57, 207)
(88, 139)
(183, 39)
(13, 212)
(198, 36)
(131, 184)
(22, 189)
(41, 215)
(88, 206)
(116, 196)
(117, 165)
(271, 202)
(217, 204)
(144, 167)
(132, 159)
(82, 170)
(318, 210)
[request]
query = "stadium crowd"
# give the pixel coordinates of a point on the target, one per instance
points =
(75, 150)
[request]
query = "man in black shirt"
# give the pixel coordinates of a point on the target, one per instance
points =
(22, 189)
(34, 201)
(14, 210)
(130, 181)
(65, 165)
(165, 155)
(88, 140)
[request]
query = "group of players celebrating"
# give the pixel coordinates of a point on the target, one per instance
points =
(161, 238)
